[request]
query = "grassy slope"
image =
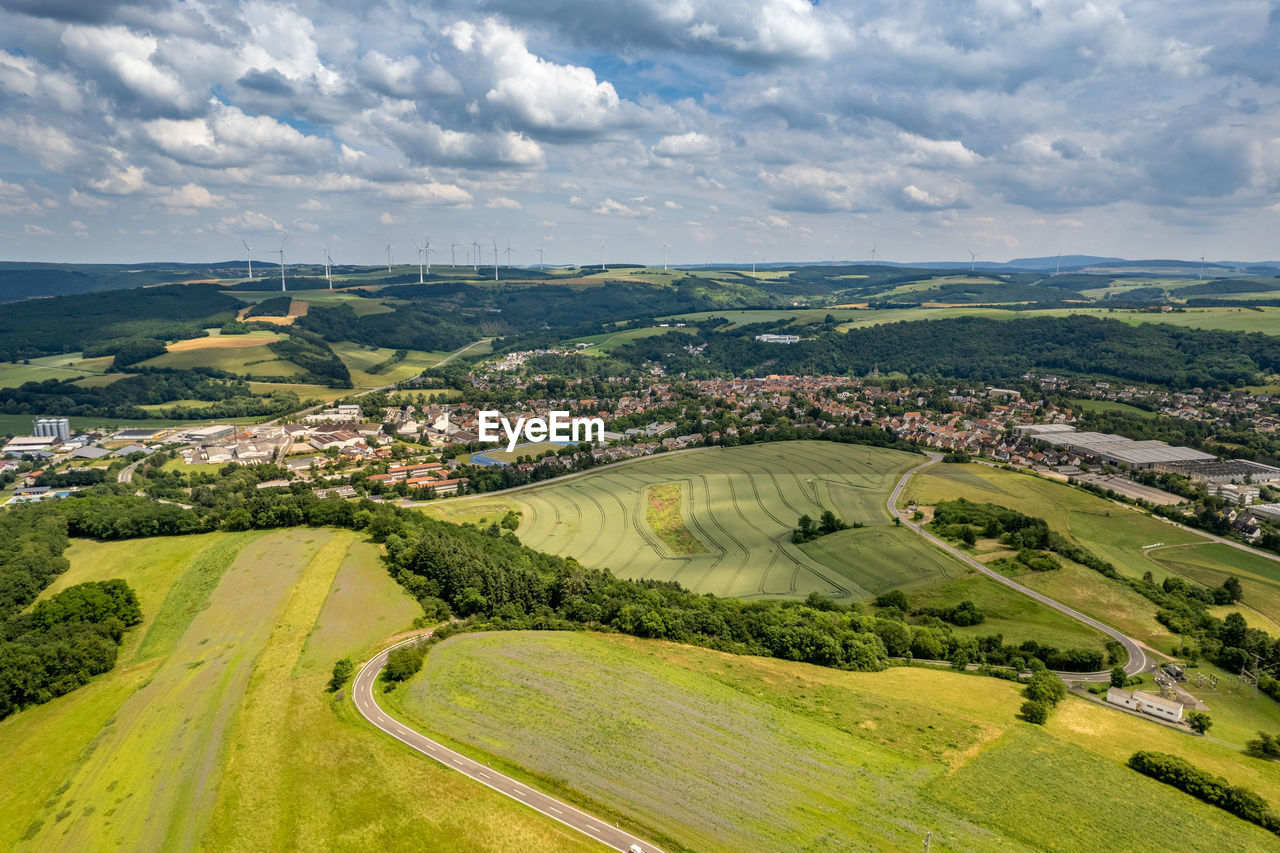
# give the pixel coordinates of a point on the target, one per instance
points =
(359, 359)
(215, 730)
(1110, 530)
(718, 752)
(1228, 319)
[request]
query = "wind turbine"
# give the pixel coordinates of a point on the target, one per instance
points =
(475, 256)
(508, 254)
(754, 254)
(973, 260)
(328, 274)
(1057, 267)
(541, 265)
(248, 250)
(665, 247)
(426, 252)
(604, 247)
(280, 252)
(453, 256)
(494, 237)
(1200, 274)
(873, 254)
(419, 248)
(388, 257)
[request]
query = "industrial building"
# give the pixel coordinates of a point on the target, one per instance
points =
(778, 339)
(59, 428)
(198, 435)
(1146, 703)
(1215, 473)
(1114, 449)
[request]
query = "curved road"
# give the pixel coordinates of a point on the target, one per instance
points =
(1138, 660)
(367, 705)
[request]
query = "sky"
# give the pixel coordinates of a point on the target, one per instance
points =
(780, 129)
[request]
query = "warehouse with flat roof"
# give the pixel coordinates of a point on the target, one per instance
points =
(1115, 449)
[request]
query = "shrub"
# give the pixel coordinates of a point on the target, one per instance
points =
(404, 662)
(341, 672)
(1035, 712)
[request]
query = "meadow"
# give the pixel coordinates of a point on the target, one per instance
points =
(1266, 320)
(1119, 534)
(714, 752)
(359, 358)
(214, 730)
(244, 354)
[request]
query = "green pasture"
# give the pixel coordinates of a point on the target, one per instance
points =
(1266, 320)
(214, 730)
(359, 358)
(1112, 406)
(609, 341)
(1118, 534)
(360, 304)
(715, 752)
(246, 355)
(21, 424)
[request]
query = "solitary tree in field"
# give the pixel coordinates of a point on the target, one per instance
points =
(1199, 722)
(341, 672)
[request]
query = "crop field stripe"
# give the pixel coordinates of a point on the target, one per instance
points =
(729, 537)
(720, 551)
(733, 495)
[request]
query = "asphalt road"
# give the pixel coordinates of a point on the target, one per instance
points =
(367, 705)
(1138, 660)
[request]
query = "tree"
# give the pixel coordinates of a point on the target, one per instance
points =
(404, 661)
(1035, 712)
(1199, 722)
(1233, 631)
(829, 523)
(968, 537)
(1233, 588)
(341, 672)
(1046, 687)
(893, 598)
(1118, 677)
(806, 527)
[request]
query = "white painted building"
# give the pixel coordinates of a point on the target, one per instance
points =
(1146, 703)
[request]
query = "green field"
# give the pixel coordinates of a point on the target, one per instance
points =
(1112, 406)
(609, 341)
(1211, 563)
(359, 358)
(741, 505)
(714, 752)
(244, 354)
(1266, 320)
(1114, 532)
(85, 371)
(214, 730)
(22, 424)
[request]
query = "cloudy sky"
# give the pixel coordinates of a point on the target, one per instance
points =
(154, 130)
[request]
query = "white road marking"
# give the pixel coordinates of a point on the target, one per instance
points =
(554, 809)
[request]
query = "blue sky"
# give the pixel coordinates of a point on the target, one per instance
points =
(156, 130)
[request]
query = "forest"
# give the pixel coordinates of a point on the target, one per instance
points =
(982, 349)
(65, 639)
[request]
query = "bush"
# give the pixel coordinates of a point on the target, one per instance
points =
(1214, 790)
(341, 672)
(1035, 712)
(404, 662)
